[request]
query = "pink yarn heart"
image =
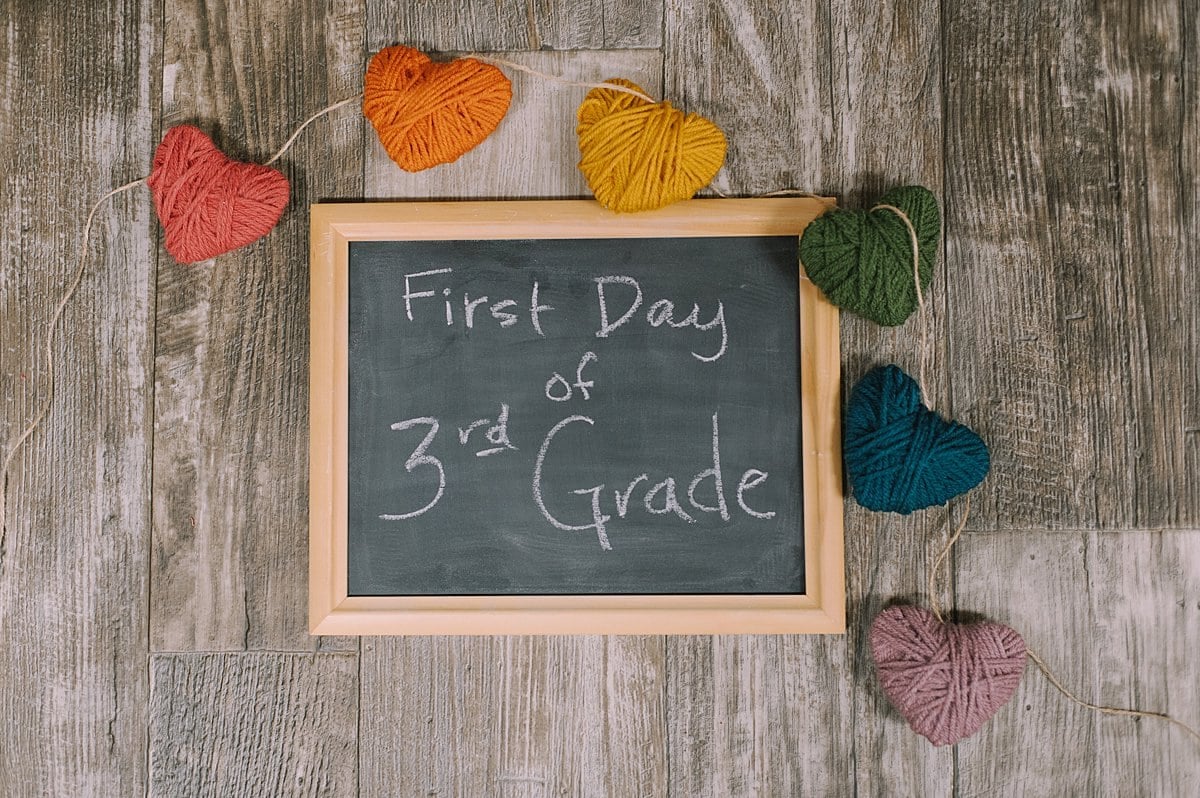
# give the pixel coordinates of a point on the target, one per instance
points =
(946, 679)
(208, 203)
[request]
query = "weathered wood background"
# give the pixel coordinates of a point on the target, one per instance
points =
(153, 560)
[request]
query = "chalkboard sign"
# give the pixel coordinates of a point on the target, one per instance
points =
(544, 417)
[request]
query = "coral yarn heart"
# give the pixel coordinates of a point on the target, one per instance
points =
(208, 203)
(946, 679)
(428, 114)
(637, 155)
(901, 456)
(862, 260)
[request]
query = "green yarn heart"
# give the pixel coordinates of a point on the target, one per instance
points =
(862, 260)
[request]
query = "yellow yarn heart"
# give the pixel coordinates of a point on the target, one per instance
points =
(637, 156)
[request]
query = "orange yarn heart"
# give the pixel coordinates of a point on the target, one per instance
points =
(208, 203)
(427, 114)
(638, 156)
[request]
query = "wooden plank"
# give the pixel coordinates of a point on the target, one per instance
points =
(1115, 616)
(231, 395)
(78, 85)
(1189, 175)
(513, 716)
(253, 724)
(467, 26)
(1073, 333)
(756, 715)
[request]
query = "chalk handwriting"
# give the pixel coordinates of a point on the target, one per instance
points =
(620, 302)
(715, 473)
(598, 518)
(496, 434)
(564, 393)
(745, 484)
(420, 458)
(471, 314)
(661, 498)
(410, 295)
(660, 313)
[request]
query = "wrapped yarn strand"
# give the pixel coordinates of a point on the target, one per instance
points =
(860, 259)
(639, 156)
(427, 113)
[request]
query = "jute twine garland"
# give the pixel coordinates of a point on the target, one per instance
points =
(941, 564)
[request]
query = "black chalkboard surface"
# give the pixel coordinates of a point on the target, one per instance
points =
(616, 415)
(541, 417)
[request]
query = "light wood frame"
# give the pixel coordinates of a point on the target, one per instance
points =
(821, 609)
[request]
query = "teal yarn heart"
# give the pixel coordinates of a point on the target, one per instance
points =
(862, 260)
(901, 456)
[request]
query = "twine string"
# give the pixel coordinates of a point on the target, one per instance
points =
(941, 565)
(287, 145)
(51, 331)
(923, 354)
(488, 59)
(942, 559)
(1133, 713)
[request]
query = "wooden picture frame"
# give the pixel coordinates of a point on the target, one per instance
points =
(821, 609)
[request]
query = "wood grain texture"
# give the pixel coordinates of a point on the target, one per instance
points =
(1068, 208)
(1063, 137)
(253, 724)
(79, 87)
(513, 716)
(231, 395)
(763, 716)
(1189, 175)
(463, 25)
(1116, 617)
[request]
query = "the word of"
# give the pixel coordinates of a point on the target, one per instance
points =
(564, 392)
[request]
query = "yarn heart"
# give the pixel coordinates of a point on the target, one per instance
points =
(946, 679)
(900, 456)
(208, 203)
(862, 260)
(637, 155)
(428, 113)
